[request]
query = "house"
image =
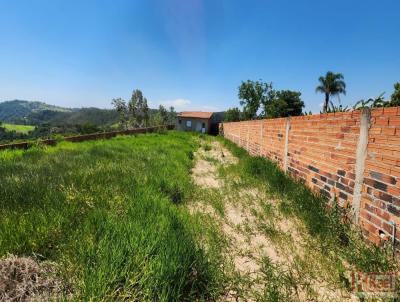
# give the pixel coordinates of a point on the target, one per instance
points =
(199, 121)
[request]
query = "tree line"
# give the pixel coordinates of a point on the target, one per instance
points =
(136, 113)
(260, 100)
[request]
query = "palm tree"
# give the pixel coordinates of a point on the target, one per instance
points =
(331, 85)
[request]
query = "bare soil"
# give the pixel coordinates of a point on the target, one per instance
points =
(255, 235)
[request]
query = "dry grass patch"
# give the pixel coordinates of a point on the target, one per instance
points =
(24, 279)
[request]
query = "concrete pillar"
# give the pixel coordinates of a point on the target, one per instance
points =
(248, 136)
(261, 137)
(286, 148)
(361, 156)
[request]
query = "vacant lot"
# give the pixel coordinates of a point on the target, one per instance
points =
(169, 217)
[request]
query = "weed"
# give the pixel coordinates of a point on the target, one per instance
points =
(207, 147)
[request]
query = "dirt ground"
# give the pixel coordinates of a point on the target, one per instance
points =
(260, 237)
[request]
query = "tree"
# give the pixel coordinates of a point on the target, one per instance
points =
(331, 85)
(377, 102)
(232, 115)
(171, 115)
(163, 113)
(138, 109)
(283, 103)
(121, 107)
(395, 98)
(252, 95)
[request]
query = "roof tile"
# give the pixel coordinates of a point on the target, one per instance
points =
(195, 114)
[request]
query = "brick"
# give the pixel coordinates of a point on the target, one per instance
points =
(312, 168)
(382, 121)
(394, 210)
(351, 176)
(380, 186)
(389, 179)
(395, 191)
(343, 195)
(375, 175)
(388, 228)
(394, 121)
(324, 193)
(388, 131)
(372, 218)
(369, 182)
(383, 196)
(340, 186)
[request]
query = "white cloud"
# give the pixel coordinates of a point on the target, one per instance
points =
(178, 104)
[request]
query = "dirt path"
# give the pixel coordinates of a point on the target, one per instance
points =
(269, 254)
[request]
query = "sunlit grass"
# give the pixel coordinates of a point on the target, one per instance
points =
(25, 129)
(108, 212)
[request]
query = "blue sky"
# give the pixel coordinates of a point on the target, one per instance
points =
(194, 53)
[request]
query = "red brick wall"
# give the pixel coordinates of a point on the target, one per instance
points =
(321, 150)
(380, 202)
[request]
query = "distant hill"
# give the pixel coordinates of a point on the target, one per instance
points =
(36, 113)
(18, 109)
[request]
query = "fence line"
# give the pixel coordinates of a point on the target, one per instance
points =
(86, 137)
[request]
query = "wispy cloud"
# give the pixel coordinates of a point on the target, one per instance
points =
(178, 104)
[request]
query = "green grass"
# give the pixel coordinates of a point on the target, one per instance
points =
(108, 212)
(25, 129)
(323, 221)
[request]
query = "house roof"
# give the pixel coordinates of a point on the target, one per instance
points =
(195, 114)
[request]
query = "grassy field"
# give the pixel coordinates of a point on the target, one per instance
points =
(174, 217)
(107, 212)
(18, 128)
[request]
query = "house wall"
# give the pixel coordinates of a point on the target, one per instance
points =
(196, 124)
(352, 156)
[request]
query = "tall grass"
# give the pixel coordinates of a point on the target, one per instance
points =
(335, 237)
(108, 213)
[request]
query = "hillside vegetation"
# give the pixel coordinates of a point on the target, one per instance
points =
(36, 113)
